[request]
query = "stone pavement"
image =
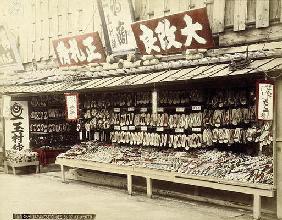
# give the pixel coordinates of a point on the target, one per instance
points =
(41, 193)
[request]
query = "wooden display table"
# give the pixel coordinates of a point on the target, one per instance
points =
(257, 190)
(22, 164)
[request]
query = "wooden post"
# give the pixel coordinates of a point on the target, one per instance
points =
(37, 168)
(257, 207)
(129, 184)
(63, 173)
(278, 150)
(6, 170)
(149, 187)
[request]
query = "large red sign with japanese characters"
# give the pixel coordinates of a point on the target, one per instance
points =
(174, 33)
(79, 50)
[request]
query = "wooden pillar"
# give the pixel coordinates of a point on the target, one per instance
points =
(129, 184)
(37, 168)
(6, 170)
(278, 101)
(63, 173)
(149, 187)
(257, 207)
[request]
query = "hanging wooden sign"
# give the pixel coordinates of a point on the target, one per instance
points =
(9, 54)
(79, 50)
(265, 100)
(116, 17)
(72, 106)
(174, 33)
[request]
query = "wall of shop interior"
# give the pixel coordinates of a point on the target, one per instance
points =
(36, 23)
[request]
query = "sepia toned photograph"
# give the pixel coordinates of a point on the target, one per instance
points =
(141, 109)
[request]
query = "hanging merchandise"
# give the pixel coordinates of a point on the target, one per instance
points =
(212, 132)
(48, 127)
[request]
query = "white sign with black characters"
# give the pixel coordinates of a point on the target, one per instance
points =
(265, 101)
(72, 106)
(17, 127)
(117, 17)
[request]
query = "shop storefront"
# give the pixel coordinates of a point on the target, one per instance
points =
(195, 125)
(206, 118)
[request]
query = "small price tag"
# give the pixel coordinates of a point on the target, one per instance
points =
(160, 129)
(131, 109)
(143, 110)
(160, 109)
(179, 130)
(196, 129)
(116, 109)
(117, 127)
(196, 108)
(180, 109)
(143, 128)
(124, 128)
(131, 128)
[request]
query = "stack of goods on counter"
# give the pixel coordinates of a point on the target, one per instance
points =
(197, 162)
(23, 156)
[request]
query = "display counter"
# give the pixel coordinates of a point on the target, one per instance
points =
(257, 190)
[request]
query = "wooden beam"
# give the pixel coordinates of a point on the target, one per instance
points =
(251, 36)
(262, 13)
(240, 15)
(218, 16)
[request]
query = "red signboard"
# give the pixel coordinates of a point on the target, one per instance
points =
(79, 50)
(174, 33)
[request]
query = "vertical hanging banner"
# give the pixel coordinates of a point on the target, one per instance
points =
(265, 100)
(17, 127)
(174, 33)
(9, 54)
(117, 17)
(72, 106)
(79, 50)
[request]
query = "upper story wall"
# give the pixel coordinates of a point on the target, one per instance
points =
(38, 22)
